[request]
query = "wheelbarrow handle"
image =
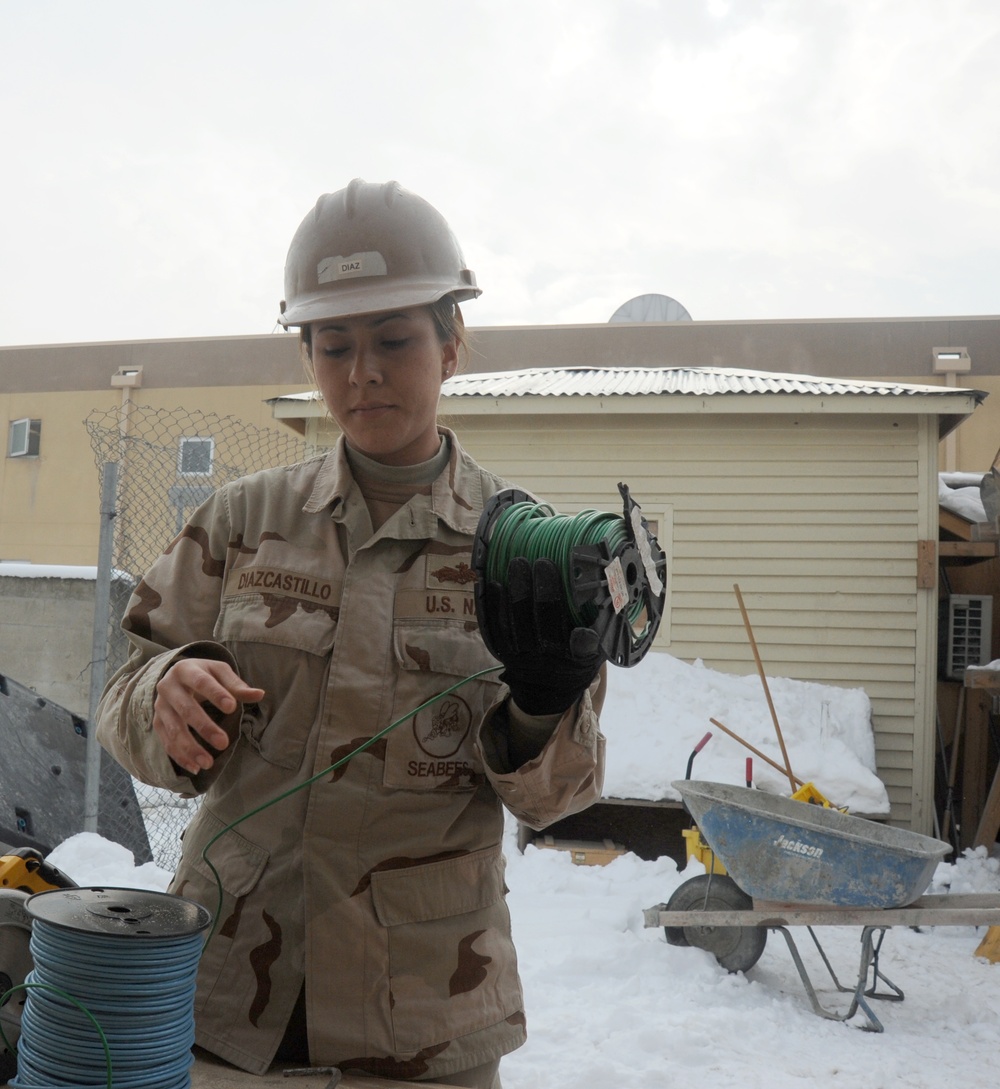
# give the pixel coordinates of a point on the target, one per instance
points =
(694, 752)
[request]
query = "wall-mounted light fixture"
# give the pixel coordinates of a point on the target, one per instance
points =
(951, 360)
(127, 377)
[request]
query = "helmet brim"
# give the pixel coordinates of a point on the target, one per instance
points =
(369, 298)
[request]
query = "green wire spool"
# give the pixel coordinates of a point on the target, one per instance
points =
(612, 567)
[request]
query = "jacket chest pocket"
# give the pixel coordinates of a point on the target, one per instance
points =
(283, 645)
(434, 748)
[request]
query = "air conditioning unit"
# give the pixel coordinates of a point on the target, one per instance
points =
(23, 439)
(970, 630)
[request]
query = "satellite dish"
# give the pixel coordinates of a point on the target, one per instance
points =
(651, 308)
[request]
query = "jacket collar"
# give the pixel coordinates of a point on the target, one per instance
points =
(456, 495)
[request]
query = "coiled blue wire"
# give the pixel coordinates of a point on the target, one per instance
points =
(140, 991)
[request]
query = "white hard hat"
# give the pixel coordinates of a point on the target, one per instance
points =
(371, 247)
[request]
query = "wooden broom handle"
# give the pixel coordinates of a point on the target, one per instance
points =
(787, 769)
(767, 760)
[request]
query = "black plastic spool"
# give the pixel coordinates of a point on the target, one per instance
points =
(620, 643)
(131, 913)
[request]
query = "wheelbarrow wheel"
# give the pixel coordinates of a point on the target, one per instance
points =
(736, 948)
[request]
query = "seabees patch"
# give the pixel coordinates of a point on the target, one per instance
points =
(437, 752)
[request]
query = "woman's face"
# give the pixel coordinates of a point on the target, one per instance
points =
(380, 376)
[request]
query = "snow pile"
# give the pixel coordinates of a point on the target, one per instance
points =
(659, 710)
(959, 493)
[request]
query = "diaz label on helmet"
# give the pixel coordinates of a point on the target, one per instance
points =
(371, 263)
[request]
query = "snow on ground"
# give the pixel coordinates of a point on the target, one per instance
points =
(610, 1004)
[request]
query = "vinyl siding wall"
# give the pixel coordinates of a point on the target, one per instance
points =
(816, 519)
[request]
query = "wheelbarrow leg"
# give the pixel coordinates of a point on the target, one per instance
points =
(870, 950)
(869, 959)
(877, 974)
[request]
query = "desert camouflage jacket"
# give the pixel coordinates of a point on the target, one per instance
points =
(382, 883)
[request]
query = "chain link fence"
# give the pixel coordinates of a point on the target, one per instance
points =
(168, 462)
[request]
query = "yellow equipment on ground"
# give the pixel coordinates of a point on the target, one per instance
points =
(23, 872)
(25, 869)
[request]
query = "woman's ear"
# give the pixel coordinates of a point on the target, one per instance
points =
(449, 358)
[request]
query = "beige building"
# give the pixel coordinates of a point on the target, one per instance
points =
(49, 486)
(50, 496)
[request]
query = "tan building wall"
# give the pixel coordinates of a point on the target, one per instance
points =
(974, 446)
(49, 505)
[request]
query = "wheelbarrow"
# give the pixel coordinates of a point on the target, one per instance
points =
(790, 864)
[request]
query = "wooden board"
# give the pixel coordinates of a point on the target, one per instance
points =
(583, 852)
(989, 822)
(954, 909)
(211, 1073)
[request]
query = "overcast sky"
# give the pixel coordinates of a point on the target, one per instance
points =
(749, 158)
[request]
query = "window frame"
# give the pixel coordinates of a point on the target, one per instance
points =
(186, 441)
(31, 444)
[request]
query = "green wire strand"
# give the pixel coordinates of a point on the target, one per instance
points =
(246, 816)
(69, 998)
(320, 775)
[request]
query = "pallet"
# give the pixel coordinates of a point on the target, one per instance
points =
(583, 852)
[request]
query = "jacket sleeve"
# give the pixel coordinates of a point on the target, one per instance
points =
(171, 615)
(565, 777)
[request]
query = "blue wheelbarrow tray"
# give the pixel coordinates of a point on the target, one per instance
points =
(789, 852)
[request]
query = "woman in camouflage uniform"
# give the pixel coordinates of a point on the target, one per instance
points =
(361, 921)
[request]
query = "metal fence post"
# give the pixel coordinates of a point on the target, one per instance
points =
(146, 498)
(99, 646)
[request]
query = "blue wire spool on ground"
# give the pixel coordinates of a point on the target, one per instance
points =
(111, 996)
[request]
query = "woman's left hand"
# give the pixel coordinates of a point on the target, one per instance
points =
(186, 729)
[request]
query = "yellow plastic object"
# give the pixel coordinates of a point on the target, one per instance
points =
(27, 871)
(809, 793)
(697, 848)
(989, 947)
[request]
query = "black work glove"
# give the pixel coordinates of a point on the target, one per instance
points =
(526, 625)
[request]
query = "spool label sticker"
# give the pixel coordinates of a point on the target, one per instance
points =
(642, 543)
(617, 584)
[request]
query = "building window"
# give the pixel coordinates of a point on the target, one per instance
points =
(24, 438)
(194, 456)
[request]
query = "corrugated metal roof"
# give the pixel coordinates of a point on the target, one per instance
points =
(651, 381)
(657, 381)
